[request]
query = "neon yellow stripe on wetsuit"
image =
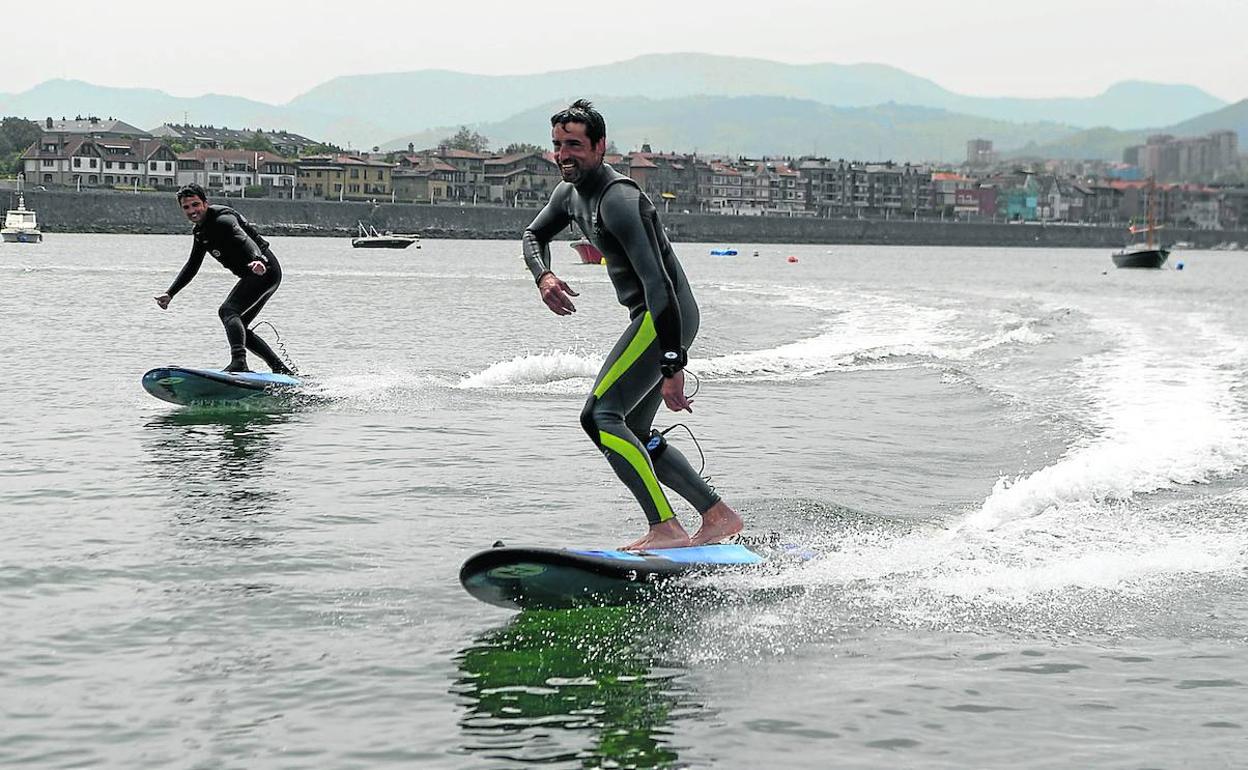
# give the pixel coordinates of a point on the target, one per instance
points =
(641, 464)
(645, 335)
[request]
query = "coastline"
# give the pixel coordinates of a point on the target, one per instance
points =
(157, 213)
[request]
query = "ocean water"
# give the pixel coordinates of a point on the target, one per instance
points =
(1023, 472)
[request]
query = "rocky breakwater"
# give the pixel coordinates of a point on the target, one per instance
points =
(122, 212)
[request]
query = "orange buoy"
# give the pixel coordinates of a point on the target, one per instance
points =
(792, 258)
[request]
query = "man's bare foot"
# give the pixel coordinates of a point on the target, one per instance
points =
(718, 522)
(665, 534)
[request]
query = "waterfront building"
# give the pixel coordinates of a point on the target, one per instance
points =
(670, 179)
(945, 187)
(93, 127)
(343, 177)
(848, 189)
(284, 143)
(521, 179)
(1233, 208)
(424, 179)
(471, 186)
(1102, 203)
(77, 160)
(239, 172)
(1021, 198)
(720, 189)
(1059, 200)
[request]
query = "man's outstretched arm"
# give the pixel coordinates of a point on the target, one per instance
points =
(535, 245)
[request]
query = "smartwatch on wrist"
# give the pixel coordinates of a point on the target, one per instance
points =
(673, 361)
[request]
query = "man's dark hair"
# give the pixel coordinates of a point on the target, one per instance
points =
(191, 190)
(582, 111)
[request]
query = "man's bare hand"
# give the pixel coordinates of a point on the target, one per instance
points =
(674, 393)
(258, 267)
(163, 300)
(557, 295)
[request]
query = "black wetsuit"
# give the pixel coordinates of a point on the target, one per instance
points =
(235, 243)
(622, 223)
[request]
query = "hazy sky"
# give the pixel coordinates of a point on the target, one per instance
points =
(273, 51)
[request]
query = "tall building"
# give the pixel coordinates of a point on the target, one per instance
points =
(1168, 159)
(979, 153)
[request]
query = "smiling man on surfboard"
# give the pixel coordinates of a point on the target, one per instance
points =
(238, 246)
(646, 367)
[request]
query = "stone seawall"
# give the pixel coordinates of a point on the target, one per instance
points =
(119, 212)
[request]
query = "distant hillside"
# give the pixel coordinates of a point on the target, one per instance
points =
(148, 108)
(758, 125)
(1231, 118)
(438, 98)
(1108, 144)
(364, 110)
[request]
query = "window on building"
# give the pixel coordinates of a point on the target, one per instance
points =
(77, 162)
(93, 179)
(47, 178)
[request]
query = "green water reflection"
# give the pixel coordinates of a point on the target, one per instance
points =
(586, 688)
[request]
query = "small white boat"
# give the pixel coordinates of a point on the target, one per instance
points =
(21, 225)
(369, 238)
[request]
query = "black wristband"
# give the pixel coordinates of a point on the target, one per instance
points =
(672, 361)
(541, 275)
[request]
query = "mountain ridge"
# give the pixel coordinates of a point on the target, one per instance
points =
(366, 110)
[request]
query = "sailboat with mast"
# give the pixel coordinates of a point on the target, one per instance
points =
(1144, 253)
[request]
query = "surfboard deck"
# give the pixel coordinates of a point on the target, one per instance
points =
(186, 385)
(523, 578)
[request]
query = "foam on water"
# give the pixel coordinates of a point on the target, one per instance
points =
(1051, 546)
(380, 388)
(858, 332)
(1161, 416)
(540, 369)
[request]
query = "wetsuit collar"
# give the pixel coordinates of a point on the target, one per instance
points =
(592, 182)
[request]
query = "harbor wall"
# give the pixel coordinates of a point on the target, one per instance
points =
(145, 212)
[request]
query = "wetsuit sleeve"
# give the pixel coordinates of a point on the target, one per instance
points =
(631, 219)
(537, 236)
(188, 270)
(229, 231)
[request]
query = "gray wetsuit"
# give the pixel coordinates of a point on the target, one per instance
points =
(618, 218)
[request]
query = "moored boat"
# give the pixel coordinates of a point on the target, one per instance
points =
(21, 225)
(369, 238)
(1143, 255)
(590, 254)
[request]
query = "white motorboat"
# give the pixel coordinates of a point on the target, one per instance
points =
(21, 225)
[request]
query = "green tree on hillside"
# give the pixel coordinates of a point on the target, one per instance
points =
(515, 148)
(321, 149)
(16, 134)
(259, 143)
(178, 144)
(466, 139)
